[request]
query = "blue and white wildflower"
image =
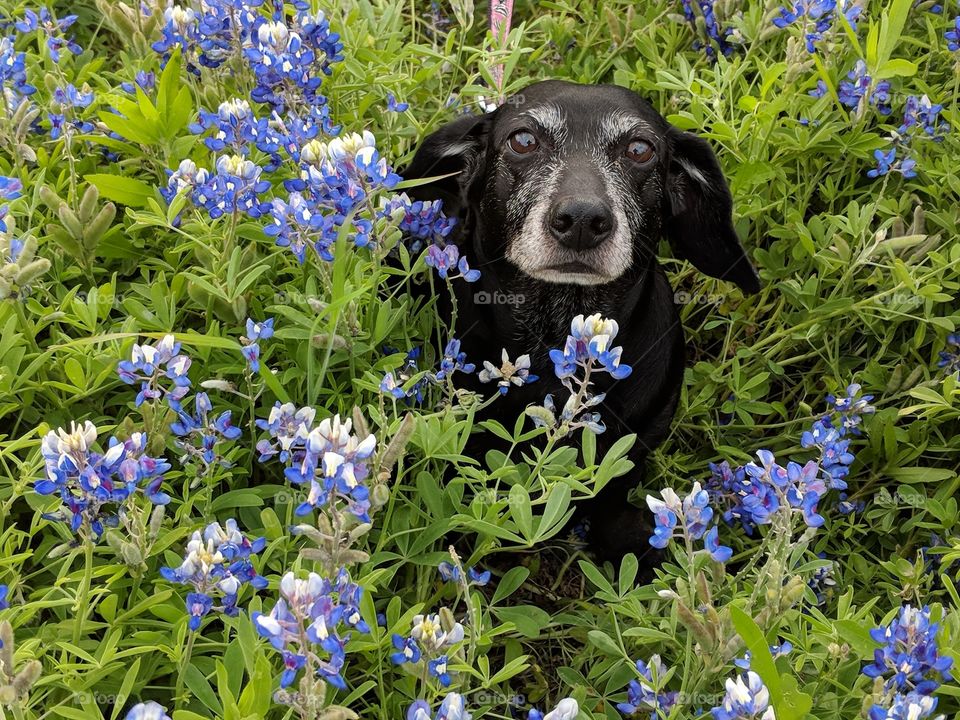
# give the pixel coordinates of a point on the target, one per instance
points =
(514, 373)
(430, 642)
(217, 565)
(201, 435)
(747, 698)
(910, 659)
(307, 625)
(161, 371)
(148, 711)
(94, 487)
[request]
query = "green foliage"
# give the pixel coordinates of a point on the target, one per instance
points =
(861, 278)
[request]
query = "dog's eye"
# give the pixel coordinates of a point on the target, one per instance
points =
(523, 142)
(639, 151)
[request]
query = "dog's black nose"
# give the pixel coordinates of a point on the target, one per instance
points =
(580, 223)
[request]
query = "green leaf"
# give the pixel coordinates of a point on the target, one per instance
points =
(201, 689)
(897, 68)
(604, 642)
(761, 661)
(125, 190)
(520, 510)
(126, 686)
(509, 583)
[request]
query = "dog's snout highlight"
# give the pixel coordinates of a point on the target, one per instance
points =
(580, 223)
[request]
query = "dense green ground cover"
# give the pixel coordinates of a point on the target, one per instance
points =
(860, 262)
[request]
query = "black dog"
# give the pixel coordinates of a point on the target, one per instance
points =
(562, 195)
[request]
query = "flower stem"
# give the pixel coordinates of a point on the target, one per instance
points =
(184, 663)
(82, 603)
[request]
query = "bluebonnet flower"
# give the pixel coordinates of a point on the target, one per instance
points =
(566, 709)
(217, 565)
(746, 698)
(859, 90)
(155, 366)
(179, 30)
(250, 342)
(208, 38)
(299, 223)
(333, 468)
(752, 494)
(394, 106)
(911, 706)
(390, 386)
(407, 650)
(234, 126)
(144, 80)
(13, 75)
(199, 435)
(590, 342)
(306, 623)
(68, 100)
(438, 669)
(290, 58)
(10, 189)
(588, 349)
(909, 659)
(93, 486)
(451, 708)
(822, 582)
(817, 18)
(887, 162)
(691, 517)
(516, 373)
(392, 383)
(4, 603)
(335, 181)
(922, 117)
(952, 36)
(235, 187)
(423, 221)
(715, 36)
(289, 428)
(950, 356)
(429, 642)
(453, 360)
(446, 259)
(776, 651)
(451, 573)
(851, 407)
(148, 711)
(642, 695)
(52, 28)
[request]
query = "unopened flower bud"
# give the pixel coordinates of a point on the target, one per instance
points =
(447, 620)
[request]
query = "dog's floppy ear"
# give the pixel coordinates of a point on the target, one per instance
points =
(699, 213)
(458, 147)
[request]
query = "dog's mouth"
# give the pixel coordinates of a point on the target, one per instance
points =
(571, 272)
(573, 267)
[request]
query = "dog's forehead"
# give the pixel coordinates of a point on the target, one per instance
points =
(603, 112)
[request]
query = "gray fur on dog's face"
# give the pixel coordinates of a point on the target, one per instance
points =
(575, 184)
(582, 143)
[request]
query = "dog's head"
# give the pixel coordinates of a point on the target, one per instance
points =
(575, 184)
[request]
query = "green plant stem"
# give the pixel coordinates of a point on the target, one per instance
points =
(82, 604)
(184, 664)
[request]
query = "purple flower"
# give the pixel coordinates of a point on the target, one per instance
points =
(447, 259)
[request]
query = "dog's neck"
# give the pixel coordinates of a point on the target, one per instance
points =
(534, 316)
